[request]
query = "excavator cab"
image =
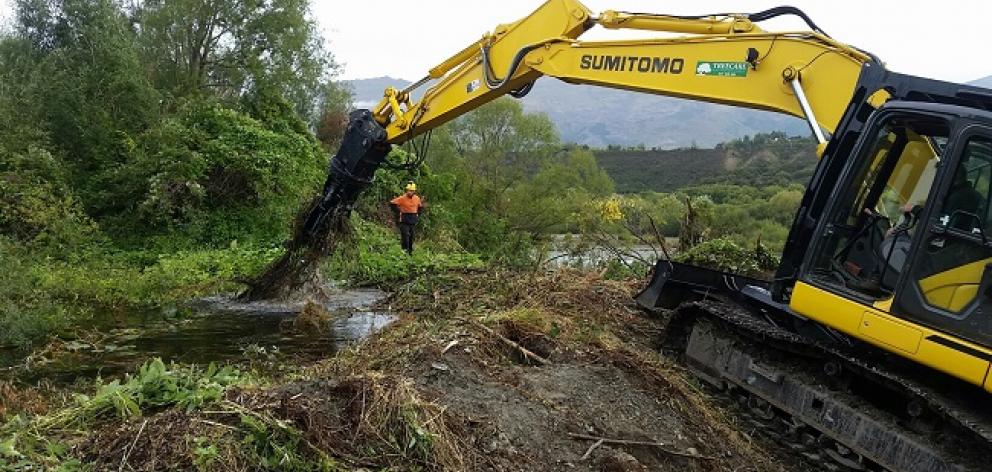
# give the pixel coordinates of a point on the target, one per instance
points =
(875, 216)
(907, 233)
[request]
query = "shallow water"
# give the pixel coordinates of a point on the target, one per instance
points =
(214, 329)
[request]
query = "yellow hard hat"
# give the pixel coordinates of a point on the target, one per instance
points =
(411, 187)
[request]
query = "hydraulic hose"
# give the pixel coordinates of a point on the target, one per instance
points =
(756, 17)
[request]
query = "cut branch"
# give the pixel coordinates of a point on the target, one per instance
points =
(526, 352)
(627, 442)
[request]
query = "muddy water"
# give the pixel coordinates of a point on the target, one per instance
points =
(215, 329)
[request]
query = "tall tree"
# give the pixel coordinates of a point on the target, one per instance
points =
(234, 47)
(91, 87)
(502, 144)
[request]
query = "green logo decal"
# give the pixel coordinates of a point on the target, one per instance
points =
(722, 69)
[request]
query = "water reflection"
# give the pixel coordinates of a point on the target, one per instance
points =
(214, 329)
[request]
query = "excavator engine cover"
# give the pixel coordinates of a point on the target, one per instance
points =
(363, 149)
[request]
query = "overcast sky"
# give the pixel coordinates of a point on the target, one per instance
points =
(940, 39)
(404, 38)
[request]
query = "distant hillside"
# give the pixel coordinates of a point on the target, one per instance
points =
(983, 82)
(661, 171)
(765, 159)
(600, 117)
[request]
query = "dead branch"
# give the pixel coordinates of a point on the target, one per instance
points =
(592, 448)
(630, 229)
(660, 238)
(627, 442)
(526, 352)
(133, 443)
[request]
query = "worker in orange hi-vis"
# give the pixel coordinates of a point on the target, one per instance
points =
(408, 208)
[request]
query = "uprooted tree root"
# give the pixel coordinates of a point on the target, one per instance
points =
(297, 271)
(372, 421)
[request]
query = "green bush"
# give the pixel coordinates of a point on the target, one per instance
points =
(375, 257)
(725, 255)
(214, 174)
(37, 206)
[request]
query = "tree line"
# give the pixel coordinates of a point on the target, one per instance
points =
(148, 118)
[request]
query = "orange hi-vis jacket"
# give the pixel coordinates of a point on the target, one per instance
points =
(408, 205)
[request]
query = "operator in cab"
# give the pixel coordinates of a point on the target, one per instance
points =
(407, 208)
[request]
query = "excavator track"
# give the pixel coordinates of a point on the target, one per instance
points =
(834, 406)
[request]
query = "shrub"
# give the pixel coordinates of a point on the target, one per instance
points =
(375, 258)
(215, 174)
(725, 255)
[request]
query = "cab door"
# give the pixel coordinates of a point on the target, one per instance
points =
(948, 282)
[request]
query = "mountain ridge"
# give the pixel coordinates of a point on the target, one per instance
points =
(983, 82)
(599, 117)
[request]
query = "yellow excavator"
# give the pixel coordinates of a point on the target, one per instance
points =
(870, 347)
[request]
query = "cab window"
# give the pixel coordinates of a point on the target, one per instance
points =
(951, 277)
(966, 208)
(869, 233)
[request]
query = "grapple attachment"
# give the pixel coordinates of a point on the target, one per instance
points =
(352, 169)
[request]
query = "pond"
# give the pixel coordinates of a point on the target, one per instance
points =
(214, 329)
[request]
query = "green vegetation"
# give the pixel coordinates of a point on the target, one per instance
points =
(768, 159)
(140, 165)
(374, 258)
(731, 217)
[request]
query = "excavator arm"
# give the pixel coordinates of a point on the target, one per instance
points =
(725, 59)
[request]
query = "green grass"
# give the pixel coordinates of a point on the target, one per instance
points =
(41, 296)
(375, 257)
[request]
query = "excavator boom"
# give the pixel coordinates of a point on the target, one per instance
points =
(726, 59)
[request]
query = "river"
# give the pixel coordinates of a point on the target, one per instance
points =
(213, 329)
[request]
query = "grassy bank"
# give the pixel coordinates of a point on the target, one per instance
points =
(43, 296)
